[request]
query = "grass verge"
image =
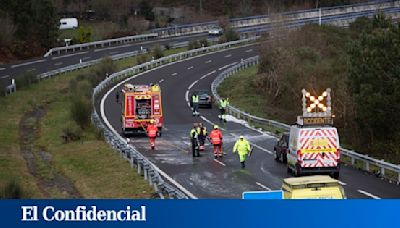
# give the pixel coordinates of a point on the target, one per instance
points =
(94, 169)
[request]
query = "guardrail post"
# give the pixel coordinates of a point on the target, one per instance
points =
(145, 172)
(382, 171)
(398, 178)
(353, 160)
(139, 168)
(367, 166)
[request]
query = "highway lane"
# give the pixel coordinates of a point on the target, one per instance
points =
(46, 64)
(205, 177)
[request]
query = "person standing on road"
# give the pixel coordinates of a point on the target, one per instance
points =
(216, 140)
(194, 141)
(152, 130)
(202, 133)
(223, 103)
(242, 146)
(195, 102)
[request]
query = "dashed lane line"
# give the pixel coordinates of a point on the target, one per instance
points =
(368, 194)
(263, 186)
(250, 50)
(227, 56)
(57, 64)
(209, 61)
(342, 183)
(1, 68)
(173, 74)
(160, 81)
(5, 76)
(191, 67)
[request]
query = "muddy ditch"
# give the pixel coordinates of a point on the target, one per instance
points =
(39, 161)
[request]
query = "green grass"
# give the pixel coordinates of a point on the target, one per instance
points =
(240, 93)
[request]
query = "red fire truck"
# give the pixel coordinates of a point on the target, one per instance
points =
(141, 104)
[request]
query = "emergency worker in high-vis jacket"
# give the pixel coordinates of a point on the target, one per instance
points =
(242, 146)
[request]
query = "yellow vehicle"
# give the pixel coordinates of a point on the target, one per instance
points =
(312, 187)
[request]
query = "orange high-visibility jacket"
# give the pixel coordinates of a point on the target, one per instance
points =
(152, 130)
(216, 136)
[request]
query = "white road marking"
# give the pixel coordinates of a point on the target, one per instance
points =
(219, 162)
(256, 146)
(103, 116)
(342, 183)
(5, 76)
(110, 48)
(174, 74)
(69, 55)
(31, 69)
(227, 56)
(2, 68)
(191, 67)
(28, 63)
(228, 65)
(160, 81)
(187, 96)
(263, 186)
(368, 194)
(57, 64)
(250, 50)
(209, 61)
(191, 85)
(204, 76)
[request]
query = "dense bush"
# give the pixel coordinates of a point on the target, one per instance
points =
(157, 52)
(72, 132)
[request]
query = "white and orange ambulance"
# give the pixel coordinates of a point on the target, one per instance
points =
(141, 104)
(313, 141)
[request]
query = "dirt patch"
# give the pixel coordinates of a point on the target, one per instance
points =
(39, 161)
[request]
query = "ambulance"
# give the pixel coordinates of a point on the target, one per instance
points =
(313, 141)
(141, 103)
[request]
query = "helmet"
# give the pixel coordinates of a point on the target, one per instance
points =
(241, 137)
(152, 121)
(195, 125)
(216, 127)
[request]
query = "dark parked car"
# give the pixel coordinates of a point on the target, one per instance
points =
(281, 148)
(205, 98)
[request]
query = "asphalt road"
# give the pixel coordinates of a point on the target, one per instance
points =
(46, 64)
(206, 177)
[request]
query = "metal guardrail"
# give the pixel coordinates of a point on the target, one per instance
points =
(121, 145)
(355, 157)
(194, 28)
(101, 43)
(87, 64)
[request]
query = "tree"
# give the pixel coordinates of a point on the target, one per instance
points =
(146, 10)
(374, 80)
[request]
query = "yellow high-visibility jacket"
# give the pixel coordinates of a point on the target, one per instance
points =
(242, 146)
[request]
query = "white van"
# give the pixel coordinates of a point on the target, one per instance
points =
(68, 23)
(313, 150)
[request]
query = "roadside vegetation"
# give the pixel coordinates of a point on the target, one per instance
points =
(360, 66)
(48, 147)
